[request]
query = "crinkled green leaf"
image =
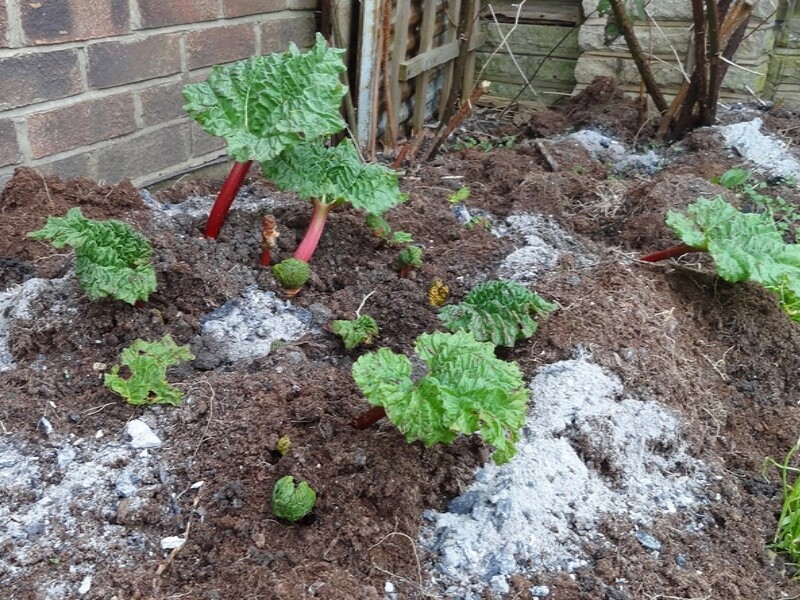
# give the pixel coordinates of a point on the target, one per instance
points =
(355, 332)
(467, 389)
(335, 174)
(148, 363)
(292, 502)
(264, 104)
(745, 246)
(112, 260)
(500, 312)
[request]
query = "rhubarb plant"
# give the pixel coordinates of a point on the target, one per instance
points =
(266, 104)
(148, 363)
(111, 259)
(408, 259)
(501, 312)
(331, 176)
(465, 390)
(292, 502)
(744, 246)
(356, 332)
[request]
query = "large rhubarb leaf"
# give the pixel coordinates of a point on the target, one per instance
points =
(466, 390)
(264, 104)
(745, 246)
(501, 312)
(336, 174)
(111, 258)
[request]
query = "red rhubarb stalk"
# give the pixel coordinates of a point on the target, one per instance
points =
(313, 234)
(369, 418)
(225, 198)
(673, 252)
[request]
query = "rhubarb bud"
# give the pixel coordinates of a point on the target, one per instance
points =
(292, 273)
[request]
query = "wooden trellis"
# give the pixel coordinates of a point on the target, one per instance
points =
(408, 53)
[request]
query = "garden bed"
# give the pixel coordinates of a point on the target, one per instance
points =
(83, 512)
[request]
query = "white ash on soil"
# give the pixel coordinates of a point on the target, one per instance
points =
(543, 241)
(585, 453)
(764, 151)
(15, 306)
(247, 327)
(72, 500)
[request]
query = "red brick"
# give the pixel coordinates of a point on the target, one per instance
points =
(145, 156)
(9, 148)
(31, 78)
(277, 33)
(80, 124)
(56, 21)
(158, 13)
(117, 63)
(162, 103)
(3, 25)
(219, 45)
(240, 8)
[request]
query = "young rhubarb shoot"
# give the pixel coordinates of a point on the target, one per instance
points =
(292, 274)
(269, 237)
(330, 177)
(112, 260)
(265, 104)
(501, 312)
(148, 363)
(466, 390)
(409, 258)
(292, 502)
(357, 332)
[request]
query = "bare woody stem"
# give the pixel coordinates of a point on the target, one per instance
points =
(626, 27)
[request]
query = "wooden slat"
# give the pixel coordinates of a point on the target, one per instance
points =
(399, 49)
(451, 36)
(539, 12)
(469, 68)
(426, 43)
(433, 58)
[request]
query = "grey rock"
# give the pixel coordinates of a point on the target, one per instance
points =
(141, 436)
(647, 540)
(465, 503)
(45, 426)
(540, 591)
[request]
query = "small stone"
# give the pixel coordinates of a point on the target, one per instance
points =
(141, 435)
(86, 584)
(172, 542)
(45, 426)
(540, 591)
(647, 540)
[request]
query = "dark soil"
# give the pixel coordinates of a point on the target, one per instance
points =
(722, 356)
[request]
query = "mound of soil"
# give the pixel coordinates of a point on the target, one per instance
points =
(87, 512)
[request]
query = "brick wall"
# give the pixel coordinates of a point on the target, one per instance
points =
(93, 87)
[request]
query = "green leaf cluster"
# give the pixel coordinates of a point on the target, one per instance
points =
(466, 390)
(292, 273)
(265, 104)
(112, 260)
(745, 246)
(410, 257)
(334, 174)
(356, 332)
(787, 533)
(292, 502)
(501, 312)
(148, 363)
